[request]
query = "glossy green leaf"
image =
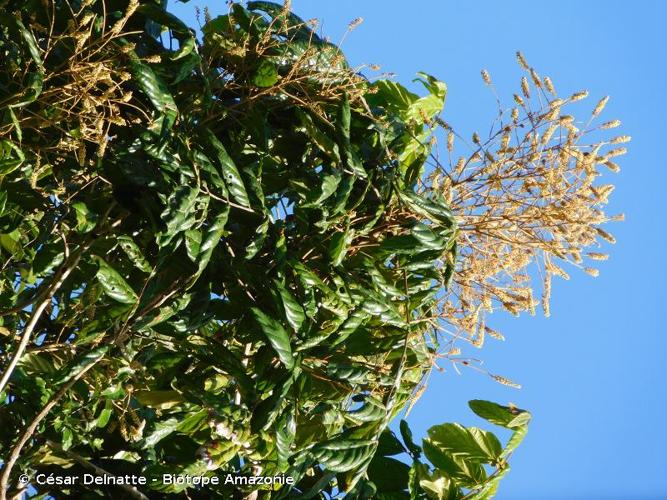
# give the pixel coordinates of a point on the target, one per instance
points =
(406, 434)
(388, 474)
(113, 284)
(437, 486)
(339, 245)
(321, 139)
(155, 89)
(277, 336)
(389, 445)
(162, 429)
(258, 239)
(193, 243)
(230, 173)
(293, 311)
(344, 454)
(212, 238)
(82, 362)
(285, 435)
(468, 442)
(506, 416)
(178, 215)
(105, 415)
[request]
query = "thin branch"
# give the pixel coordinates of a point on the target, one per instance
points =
(99, 471)
(60, 278)
(32, 427)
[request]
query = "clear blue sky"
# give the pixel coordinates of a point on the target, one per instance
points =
(592, 374)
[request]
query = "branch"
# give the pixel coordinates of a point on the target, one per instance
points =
(32, 427)
(58, 281)
(99, 471)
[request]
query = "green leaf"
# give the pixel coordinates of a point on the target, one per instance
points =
(471, 442)
(230, 173)
(30, 42)
(437, 89)
(356, 318)
(490, 488)
(293, 311)
(179, 213)
(193, 243)
(505, 416)
(193, 422)
(15, 25)
(468, 472)
(115, 391)
(85, 219)
(277, 336)
(156, 91)
(437, 486)
(430, 208)
(427, 238)
(515, 440)
(17, 126)
(296, 27)
(286, 432)
(258, 240)
(328, 187)
(343, 128)
(339, 246)
(49, 257)
(162, 429)
(31, 91)
(389, 444)
(266, 74)
(68, 438)
(348, 372)
(372, 411)
(164, 18)
(388, 474)
(105, 415)
(134, 253)
(342, 455)
(212, 238)
(159, 399)
(11, 157)
(113, 283)
(322, 140)
(406, 434)
(82, 363)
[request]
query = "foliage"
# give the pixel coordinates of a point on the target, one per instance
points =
(458, 458)
(215, 254)
(235, 254)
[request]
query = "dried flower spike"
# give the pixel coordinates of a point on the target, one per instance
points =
(486, 77)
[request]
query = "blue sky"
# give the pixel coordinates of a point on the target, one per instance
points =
(592, 374)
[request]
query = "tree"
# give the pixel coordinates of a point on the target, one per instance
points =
(237, 254)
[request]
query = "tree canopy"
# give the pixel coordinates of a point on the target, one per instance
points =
(219, 254)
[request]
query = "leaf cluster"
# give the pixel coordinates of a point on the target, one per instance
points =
(215, 255)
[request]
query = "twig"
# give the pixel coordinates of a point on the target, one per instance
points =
(32, 427)
(99, 471)
(64, 272)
